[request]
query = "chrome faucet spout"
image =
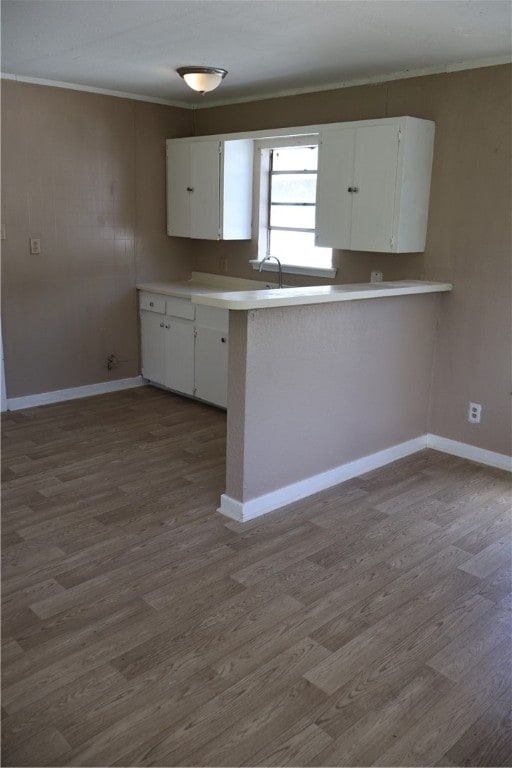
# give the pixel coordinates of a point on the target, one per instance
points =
(280, 269)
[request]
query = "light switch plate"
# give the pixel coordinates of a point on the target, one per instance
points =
(35, 245)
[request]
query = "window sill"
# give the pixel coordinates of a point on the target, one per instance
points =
(293, 269)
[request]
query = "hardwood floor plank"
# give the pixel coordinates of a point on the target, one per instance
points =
(376, 546)
(494, 528)
(48, 678)
(412, 622)
(61, 705)
(43, 748)
(486, 561)
(488, 742)
(42, 590)
(47, 642)
(131, 713)
(235, 702)
(297, 746)
(212, 638)
(377, 730)
(267, 566)
(28, 558)
(236, 745)
(10, 650)
(451, 717)
(369, 686)
(260, 648)
(458, 657)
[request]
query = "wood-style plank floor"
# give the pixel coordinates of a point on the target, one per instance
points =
(367, 625)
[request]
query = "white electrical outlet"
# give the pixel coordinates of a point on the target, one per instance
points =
(376, 276)
(35, 245)
(474, 413)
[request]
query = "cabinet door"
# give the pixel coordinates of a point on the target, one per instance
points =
(178, 184)
(153, 346)
(375, 170)
(205, 183)
(212, 365)
(179, 355)
(335, 176)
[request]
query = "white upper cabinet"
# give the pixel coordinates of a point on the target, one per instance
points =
(373, 185)
(209, 188)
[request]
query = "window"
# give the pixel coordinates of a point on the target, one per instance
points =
(287, 208)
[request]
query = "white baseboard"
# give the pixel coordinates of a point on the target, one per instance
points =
(44, 398)
(471, 452)
(243, 511)
(268, 502)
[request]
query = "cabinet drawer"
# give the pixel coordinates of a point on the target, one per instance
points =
(213, 317)
(152, 302)
(181, 308)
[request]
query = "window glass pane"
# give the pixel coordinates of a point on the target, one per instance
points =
(293, 216)
(292, 188)
(299, 248)
(295, 159)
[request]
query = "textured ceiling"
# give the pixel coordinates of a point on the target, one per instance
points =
(268, 46)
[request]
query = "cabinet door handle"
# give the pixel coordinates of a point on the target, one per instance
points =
(167, 326)
(161, 325)
(190, 189)
(151, 304)
(353, 189)
(223, 340)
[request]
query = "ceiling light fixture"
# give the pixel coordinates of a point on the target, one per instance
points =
(202, 79)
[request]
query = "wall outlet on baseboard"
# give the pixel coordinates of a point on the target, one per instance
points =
(376, 276)
(474, 413)
(223, 264)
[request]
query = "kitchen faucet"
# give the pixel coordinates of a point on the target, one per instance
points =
(280, 285)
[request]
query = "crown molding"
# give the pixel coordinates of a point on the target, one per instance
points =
(405, 74)
(333, 86)
(91, 89)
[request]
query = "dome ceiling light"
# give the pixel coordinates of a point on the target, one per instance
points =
(202, 79)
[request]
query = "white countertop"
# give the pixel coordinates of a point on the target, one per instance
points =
(204, 283)
(284, 297)
(235, 293)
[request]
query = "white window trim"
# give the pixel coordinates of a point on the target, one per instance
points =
(260, 206)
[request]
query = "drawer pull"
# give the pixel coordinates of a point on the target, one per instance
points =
(223, 340)
(167, 326)
(151, 304)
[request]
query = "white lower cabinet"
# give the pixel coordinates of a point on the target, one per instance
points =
(152, 344)
(211, 355)
(179, 355)
(182, 352)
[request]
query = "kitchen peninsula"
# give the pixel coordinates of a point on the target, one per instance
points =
(321, 383)
(324, 384)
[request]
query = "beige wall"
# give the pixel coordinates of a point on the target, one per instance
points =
(469, 232)
(324, 385)
(86, 174)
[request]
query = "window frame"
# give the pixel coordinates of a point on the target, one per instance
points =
(261, 214)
